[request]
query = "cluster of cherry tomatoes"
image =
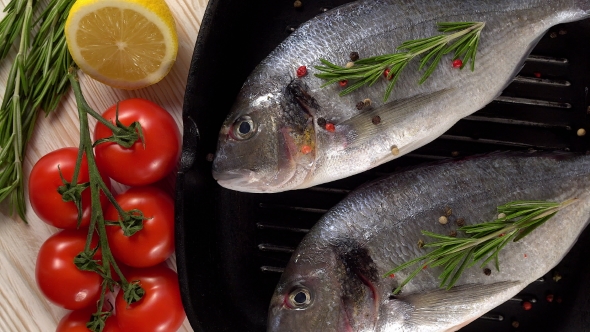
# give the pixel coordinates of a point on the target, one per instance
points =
(140, 256)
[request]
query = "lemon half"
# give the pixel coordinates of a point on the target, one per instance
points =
(127, 44)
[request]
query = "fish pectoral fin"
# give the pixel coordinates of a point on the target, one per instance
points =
(436, 306)
(386, 117)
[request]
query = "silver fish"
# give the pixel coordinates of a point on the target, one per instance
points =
(335, 280)
(271, 140)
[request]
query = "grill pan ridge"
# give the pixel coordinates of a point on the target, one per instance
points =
(231, 247)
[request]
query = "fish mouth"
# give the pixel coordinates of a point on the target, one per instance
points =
(236, 180)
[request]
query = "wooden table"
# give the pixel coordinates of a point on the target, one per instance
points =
(22, 306)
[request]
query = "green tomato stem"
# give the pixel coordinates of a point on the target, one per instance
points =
(97, 222)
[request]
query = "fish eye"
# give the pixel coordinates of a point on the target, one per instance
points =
(243, 128)
(299, 298)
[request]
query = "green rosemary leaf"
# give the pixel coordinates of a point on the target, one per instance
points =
(529, 228)
(459, 272)
(431, 68)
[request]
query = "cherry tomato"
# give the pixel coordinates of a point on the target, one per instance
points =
(155, 242)
(75, 321)
(57, 276)
(44, 182)
(137, 166)
(160, 309)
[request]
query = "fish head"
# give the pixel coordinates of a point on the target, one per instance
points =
(324, 291)
(268, 142)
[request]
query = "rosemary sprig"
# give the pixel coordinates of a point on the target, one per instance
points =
(484, 241)
(462, 38)
(37, 80)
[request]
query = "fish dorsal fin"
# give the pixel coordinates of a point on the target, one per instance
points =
(441, 306)
(385, 117)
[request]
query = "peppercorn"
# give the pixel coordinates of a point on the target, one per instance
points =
(321, 122)
(360, 105)
(453, 233)
(460, 222)
(343, 83)
(305, 149)
(443, 220)
(487, 271)
(330, 127)
(301, 71)
(297, 4)
(394, 150)
(376, 120)
(457, 63)
(526, 305)
(354, 56)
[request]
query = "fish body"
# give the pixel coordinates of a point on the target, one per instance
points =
(336, 279)
(275, 137)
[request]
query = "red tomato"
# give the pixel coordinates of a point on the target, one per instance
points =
(57, 276)
(160, 309)
(137, 166)
(155, 242)
(44, 181)
(76, 321)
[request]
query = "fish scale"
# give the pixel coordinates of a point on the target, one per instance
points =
(384, 220)
(375, 28)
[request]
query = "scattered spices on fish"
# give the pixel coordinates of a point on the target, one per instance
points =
(537, 74)
(391, 275)
(443, 220)
(526, 305)
(424, 267)
(515, 324)
(330, 127)
(556, 276)
(420, 243)
(501, 235)
(301, 71)
(360, 105)
(305, 149)
(525, 256)
(457, 63)
(460, 222)
(549, 297)
(297, 4)
(349, 64)
(487, 271)
(367, 102)
(354, 56)
(394, 150)
(321, 122)
(453, 233)
(501, 215)
(581, 132)
(343, 83)
(376, 120)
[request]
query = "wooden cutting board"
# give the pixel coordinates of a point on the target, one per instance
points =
(22, 306)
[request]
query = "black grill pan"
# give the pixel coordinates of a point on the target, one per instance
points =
(231, 246)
